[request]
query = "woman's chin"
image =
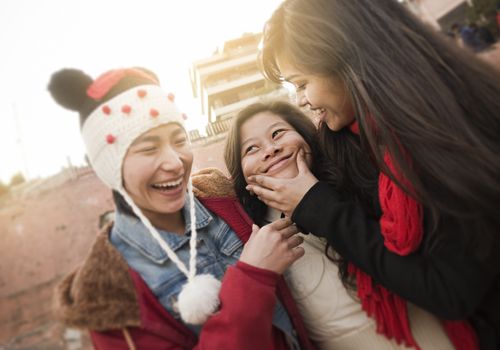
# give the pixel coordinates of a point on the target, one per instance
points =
(284, 174)
(332, 126)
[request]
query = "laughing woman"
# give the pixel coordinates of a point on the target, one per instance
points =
(171, 272)
(266, 139)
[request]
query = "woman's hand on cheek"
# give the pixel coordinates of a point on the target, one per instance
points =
(283, 194)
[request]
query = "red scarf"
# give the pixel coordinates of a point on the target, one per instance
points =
(401, 225)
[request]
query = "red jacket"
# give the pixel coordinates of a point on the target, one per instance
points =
(111, 300)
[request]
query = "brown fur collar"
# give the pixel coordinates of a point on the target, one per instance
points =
(100, 294)
(211, 182)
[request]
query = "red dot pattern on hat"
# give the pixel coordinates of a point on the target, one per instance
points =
(126, 109)
(153, 113)
(110, 139)
(106, 110)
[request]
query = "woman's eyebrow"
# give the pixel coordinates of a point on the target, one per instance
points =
(246, 141)
(290, 78)
(178, 131)
(156, 138)
(151, 138)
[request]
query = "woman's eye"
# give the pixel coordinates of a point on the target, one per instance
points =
(147, 149)
(181, 141)
(300, 87)
(250, 149)
(277, 132)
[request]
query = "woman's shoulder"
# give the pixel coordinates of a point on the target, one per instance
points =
(100, 293)
(212, 182)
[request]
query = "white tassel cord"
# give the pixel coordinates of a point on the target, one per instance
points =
(199, 297)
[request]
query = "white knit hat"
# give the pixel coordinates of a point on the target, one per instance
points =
(110, 129)
(108, 132)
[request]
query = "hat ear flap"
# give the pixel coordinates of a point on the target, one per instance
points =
(69, 87)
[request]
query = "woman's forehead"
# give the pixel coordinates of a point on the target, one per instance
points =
(265, 120)
(160, 132)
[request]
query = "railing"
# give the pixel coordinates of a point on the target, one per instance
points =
(218, 127)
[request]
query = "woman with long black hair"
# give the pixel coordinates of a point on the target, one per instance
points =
(393, 95)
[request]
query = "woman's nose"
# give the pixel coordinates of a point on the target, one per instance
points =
(301, 99)
(271, 149)
(170, 160)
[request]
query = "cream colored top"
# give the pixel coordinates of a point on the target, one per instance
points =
(334, 318)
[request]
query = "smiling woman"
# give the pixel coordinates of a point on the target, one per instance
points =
(253, 143)
(325, 95)
(271, 146)
(277, 140)
(409, 129)
(171, 271)
(160, 194)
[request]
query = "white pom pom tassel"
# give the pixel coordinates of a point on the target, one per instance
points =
(199, 298)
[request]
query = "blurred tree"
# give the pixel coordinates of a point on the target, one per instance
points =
(17, 179)
(483, 13)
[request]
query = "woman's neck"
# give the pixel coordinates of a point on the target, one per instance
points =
(172, 222)
(272, 214)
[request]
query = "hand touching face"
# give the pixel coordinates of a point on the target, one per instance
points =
(275, 160)
(270, 146)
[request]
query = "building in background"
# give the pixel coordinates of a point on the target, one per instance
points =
(229, 80)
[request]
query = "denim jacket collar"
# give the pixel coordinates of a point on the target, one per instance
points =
(133, 231)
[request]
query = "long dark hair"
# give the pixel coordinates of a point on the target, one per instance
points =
(433, 106)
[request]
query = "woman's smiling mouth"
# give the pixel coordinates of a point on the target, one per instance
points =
(169, 187)
(278, 164)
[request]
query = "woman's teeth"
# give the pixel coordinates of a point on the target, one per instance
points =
(167, 185)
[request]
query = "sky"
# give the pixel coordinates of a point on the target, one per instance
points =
(37, 38)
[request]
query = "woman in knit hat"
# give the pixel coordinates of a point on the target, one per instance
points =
(396, 97)
(267, 138)
(171, 272)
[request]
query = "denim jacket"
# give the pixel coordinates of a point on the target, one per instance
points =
(218, 247)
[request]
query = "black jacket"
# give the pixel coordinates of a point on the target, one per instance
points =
(446, 276)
